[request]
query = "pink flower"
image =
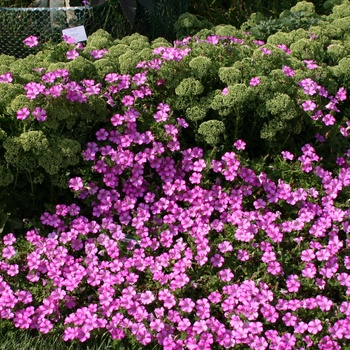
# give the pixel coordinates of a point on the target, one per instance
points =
(31, 41)
(310, 64)
(340, 95)
(200, 326)
(9, 239)
(164, 107)
(98, 53)
(287, 155)
(147, 297)
(139, 78)
(293, 284)
(309, 105)
(309, 86)
(68, 39)
(186, 305)
(8, 252)
(195, 178)
(217, 260)
(161, 116)
(328, 119)
(23, 113)
(182, 122)
(225, 91)
(72, 54)
(259, 42)
(6, 78)
(254, 81)
(242, 255)
(183, 324)
(314, 326)
(39, 114)
(289, 72)
(274, 268)
(101, 134)
(225, 246)
(284, 48)
(240, 144)
(128, 100)
(226, 275)
(214, 297)
(320, 138)
(266, 51)
(76, 183)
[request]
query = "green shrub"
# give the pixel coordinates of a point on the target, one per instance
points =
(211, 131)
(188, 24)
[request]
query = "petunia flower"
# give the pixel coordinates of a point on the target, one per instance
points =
(31, 41)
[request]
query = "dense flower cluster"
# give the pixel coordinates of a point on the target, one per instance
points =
(175, 248)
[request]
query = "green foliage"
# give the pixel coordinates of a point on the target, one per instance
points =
(336, 52)
(117, 50)
(15, 3)
(305, 7)
(340, 9)
(342, 23)
(189, 87)
(288, 21)
(38, 158)
(211, 131)
(230, 75)
(201, 66)
(80, 68)
(342, 71)
(236, 12)
(160, 42)
(128, 61)
(282, 105)
(196, 113)
(189, 24)
(99, 40)
(269, 115)
(239, 95)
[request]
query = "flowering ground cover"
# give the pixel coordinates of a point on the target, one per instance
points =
(178, 237)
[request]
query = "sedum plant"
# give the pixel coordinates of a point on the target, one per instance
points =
(226, 82)
(223, 229)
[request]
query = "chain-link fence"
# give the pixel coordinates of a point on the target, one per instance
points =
(160, 23)
(47, 23)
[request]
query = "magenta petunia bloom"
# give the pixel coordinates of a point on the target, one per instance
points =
(309, 105)
(287, 155)
(76, 183)
(266, 51)
(23, 113)
(6, 78)
(72, 54)
(68, 39)
(240, 145)
(289, 72)
(31, 41)
(310, 64)
(225, 91)
(254, 81)
(39, 114)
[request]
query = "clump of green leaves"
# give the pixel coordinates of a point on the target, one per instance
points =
(302, 15)
(213, 82)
